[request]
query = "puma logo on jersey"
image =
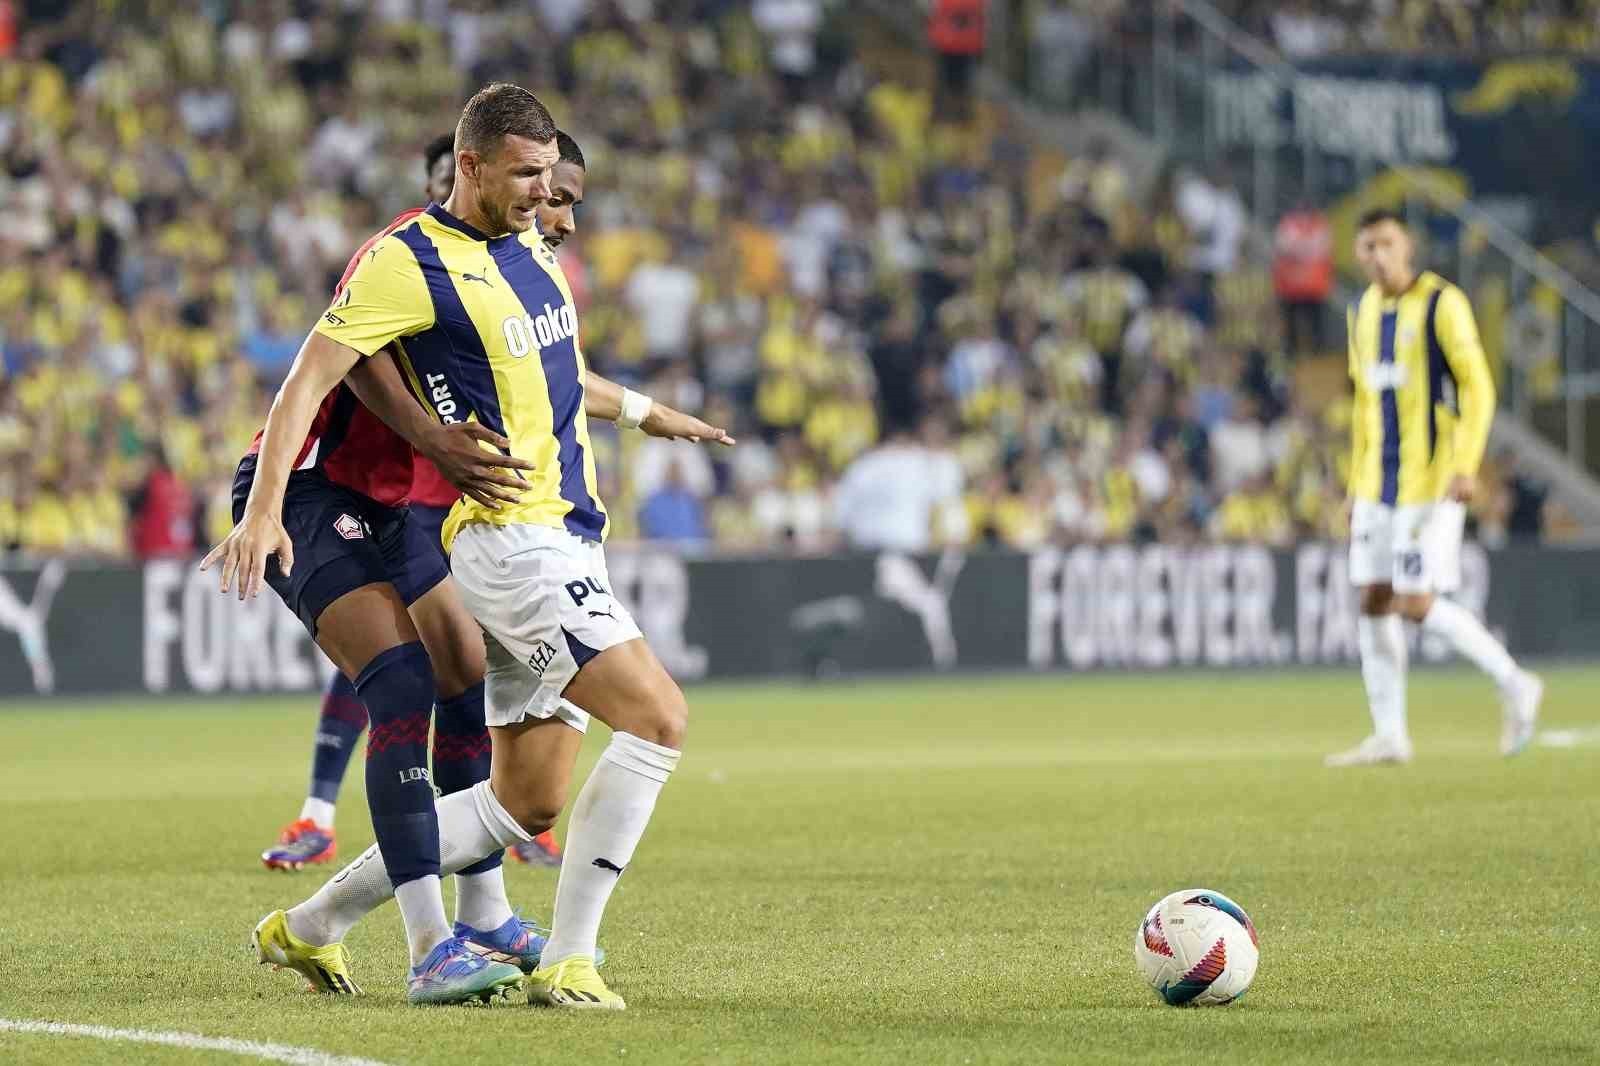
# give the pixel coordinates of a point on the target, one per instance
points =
(530, 333)
(484, 277)
(1383, 376)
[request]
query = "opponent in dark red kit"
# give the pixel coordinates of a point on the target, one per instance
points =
(310, 838)
(344, 429)
(372, 586)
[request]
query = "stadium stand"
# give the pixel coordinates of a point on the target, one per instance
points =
(835, 263)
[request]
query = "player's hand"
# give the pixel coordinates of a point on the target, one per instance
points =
(485, 476)
(243, 553)
(1462, 488)
(663, 421)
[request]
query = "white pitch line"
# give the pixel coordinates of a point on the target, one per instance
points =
(294, 1056)
(1568, 738)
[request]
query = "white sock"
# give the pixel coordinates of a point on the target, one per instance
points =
(1382, 641)
(472, 825)
(1468, 637)
(422, 907)
(481, 899)
(607, 822)
(320, 811)
(342, 900)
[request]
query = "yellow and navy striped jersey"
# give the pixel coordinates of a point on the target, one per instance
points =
(487, 329)
(1424, 395)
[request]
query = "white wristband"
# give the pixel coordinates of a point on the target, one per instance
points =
(635, 409)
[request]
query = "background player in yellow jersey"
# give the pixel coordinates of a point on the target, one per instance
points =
(1424, 401)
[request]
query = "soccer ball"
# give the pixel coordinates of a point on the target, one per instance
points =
(1197, 948)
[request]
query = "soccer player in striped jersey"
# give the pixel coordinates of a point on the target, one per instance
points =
(487, 332)
(1424, 401)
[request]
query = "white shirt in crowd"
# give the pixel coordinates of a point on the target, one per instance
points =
(341, 146)
(791, 29)
(889, 497)
(1151, 474)
(1243, 448)
(810, 242)
(1217, 218)
(663, 296)
(1304, 33)
(657, 455)
(561, 17)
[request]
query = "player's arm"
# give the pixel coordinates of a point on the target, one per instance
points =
(1457, 333)
(480, 474)
(319, 366)
(1358, 423)
(385, 298)
(607, 400)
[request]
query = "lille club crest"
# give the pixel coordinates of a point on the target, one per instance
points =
(348, 527)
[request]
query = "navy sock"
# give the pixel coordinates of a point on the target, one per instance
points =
(461, 753)
(339, 726)
(397, 687)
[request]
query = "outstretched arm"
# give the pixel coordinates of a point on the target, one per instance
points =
(454, 448)
(607, 400)
(319, 366)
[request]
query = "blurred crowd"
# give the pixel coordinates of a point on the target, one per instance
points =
(1301, 28)
(925, 328)
(1308, 28)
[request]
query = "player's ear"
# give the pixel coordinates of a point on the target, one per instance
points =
(468, 162)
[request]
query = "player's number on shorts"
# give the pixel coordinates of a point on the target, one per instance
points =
(1411, 564)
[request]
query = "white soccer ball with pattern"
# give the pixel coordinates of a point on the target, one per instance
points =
(1197, 948)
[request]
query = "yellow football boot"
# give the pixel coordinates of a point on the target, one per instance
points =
(572, 983)
(327, 968)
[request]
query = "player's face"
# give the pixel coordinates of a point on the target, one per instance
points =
(1384, 251)
(441, 178)
(514, 181)
(558, 215)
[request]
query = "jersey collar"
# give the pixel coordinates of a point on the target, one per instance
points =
(440, 215)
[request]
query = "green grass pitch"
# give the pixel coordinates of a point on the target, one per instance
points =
(921, 871)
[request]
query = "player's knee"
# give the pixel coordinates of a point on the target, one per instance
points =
(1377, 599)
(458, 663)
(1413, 608)
(667, 719)
(453, 676)
(534, 807)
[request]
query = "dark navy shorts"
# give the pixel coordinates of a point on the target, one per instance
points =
(342, 541)
(428, 524)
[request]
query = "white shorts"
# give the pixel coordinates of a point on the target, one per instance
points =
(1416, 548)
(543, 598)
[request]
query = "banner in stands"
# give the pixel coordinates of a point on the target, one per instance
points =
(1518, 127)
(165, 628)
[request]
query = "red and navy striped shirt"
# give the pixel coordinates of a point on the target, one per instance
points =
(353, 447)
